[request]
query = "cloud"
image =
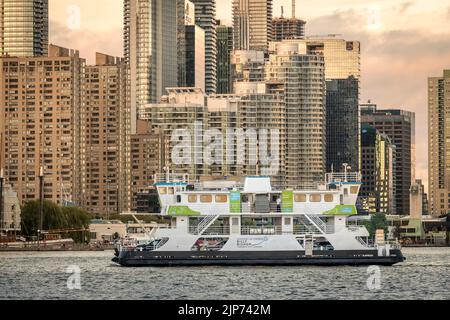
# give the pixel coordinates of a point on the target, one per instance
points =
(403, 8)
(395, 66)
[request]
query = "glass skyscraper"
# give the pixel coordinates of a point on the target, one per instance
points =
(24, 28)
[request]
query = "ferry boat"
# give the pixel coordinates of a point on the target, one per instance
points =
(251, 223)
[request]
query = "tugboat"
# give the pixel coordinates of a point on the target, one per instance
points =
(251, 223)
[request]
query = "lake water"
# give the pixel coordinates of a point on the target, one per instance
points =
(424, 275)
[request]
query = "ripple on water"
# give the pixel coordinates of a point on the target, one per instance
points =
(425, 275)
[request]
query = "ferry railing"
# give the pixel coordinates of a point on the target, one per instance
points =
(337, 177)
(250, 230)
(211, 231)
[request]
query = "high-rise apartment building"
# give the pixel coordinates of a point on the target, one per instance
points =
(224, 51)
(181, 109)
(151, 32)
(378, 162)
(252, 24)
(300, 77)
(439, 144)
(23, 28)
(105, 177)
(147, 159)
(205, 17)
(399, 126)
(342, 73)
(42, 121)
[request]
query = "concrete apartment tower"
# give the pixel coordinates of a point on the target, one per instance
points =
(439, 145)
(252, 24)
(205, 17)
(300, 77)
(150, 50)
(23, 28)
(342, 74)
(41, 124)
(106, 122)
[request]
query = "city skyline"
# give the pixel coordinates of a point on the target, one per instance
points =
(398, 53)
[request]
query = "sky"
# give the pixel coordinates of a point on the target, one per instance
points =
(403, 43)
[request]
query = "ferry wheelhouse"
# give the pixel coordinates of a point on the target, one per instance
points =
(251, 223)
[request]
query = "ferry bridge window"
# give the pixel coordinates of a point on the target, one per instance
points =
(328, 198)
(300, 198)
(206, 198)
(315, 198)
(192, 198)
(163, 190)
(170, 190)
(221, 198)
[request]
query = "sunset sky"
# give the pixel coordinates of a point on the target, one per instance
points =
(403, 42)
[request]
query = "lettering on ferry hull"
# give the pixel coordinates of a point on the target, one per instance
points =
(257, 242)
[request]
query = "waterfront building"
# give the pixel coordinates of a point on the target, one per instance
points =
(438, 144)
(10, 213)
(181, 109)
(399, 126)
(147, 159)
(224, 51)
(377, 170)
(343, 127)
(205, 17)
(342, 73)
(300, 77)
(106, 123)
(41, 124)
(252, 24)
(23, 28)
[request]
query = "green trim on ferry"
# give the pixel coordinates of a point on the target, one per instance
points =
(235, 202)
(182, 211)
(342, 210)
(287, 201)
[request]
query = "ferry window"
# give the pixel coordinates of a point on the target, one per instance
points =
(287, 221)
(300, 198)
(206, 198)
(192, 198)
(178, 199)
(328, 198)
(171, 191)
(354, 190)
(315, 198)
(163, 190)
(221, 198)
